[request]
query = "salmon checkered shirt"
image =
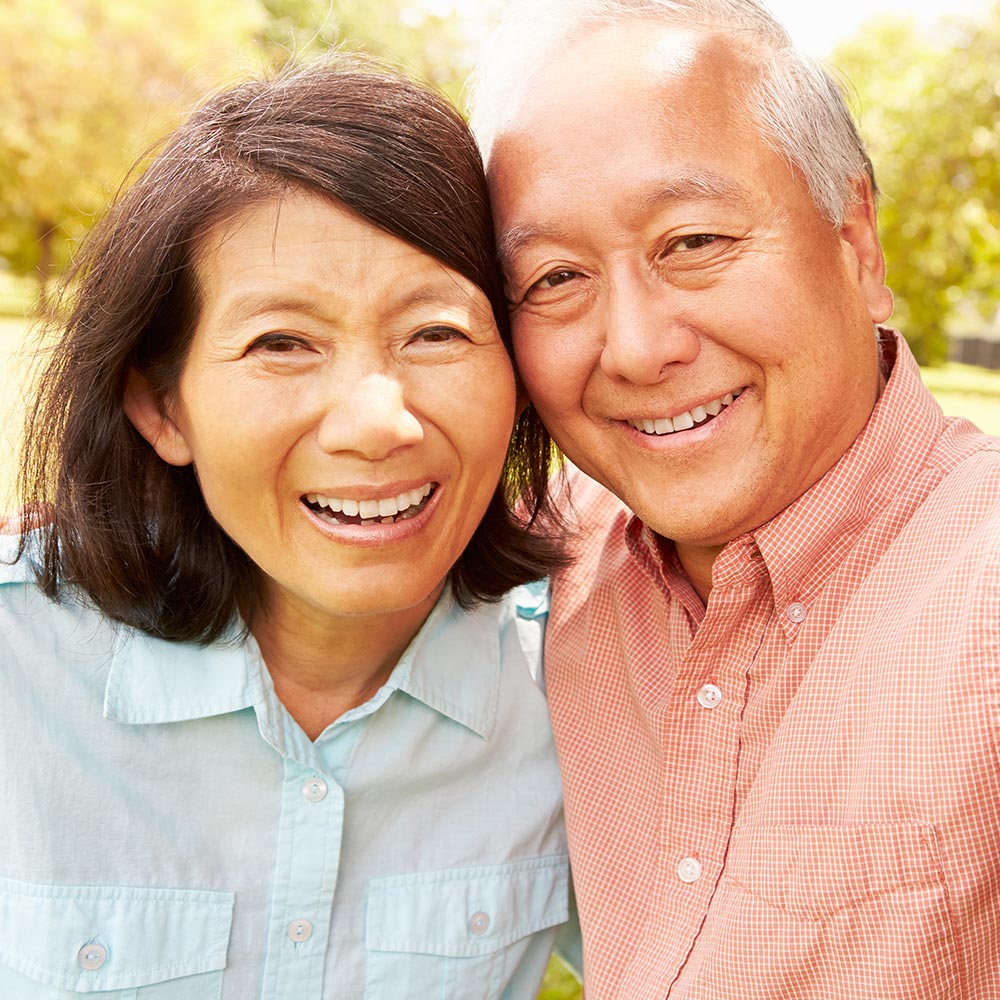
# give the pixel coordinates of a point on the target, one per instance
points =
(794, 792)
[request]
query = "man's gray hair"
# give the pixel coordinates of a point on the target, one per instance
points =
(801, 109)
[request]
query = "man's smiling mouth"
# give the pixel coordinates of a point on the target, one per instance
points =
(685, 421)
(389, 510)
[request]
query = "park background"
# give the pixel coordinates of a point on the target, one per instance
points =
(87, 86)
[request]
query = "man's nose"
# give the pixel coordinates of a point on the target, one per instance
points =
(643, 332)
(368, 416)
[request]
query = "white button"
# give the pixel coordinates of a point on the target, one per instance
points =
(689, 870)
(479, 923)
(300, 930)
(92, 956)
(709, 696)
(796, 612)
(314, 790)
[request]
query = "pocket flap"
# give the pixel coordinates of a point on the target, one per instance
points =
(92, 938)
(464, 912)
(813, 871)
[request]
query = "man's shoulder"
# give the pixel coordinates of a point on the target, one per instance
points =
(969, 484)
(596, 516)
(599, 521)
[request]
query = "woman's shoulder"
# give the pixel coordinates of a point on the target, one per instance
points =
(15, 568)
(38, 632)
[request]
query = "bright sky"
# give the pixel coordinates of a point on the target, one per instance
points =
(818, 25)
(815, 25)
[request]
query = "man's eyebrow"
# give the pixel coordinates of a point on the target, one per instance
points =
(518, 237)
(703, 186)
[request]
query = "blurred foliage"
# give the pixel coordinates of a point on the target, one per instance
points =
(428, 43)
(86, 86)
(560, 983)
(930, 111)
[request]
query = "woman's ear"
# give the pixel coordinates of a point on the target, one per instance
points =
(150, 419)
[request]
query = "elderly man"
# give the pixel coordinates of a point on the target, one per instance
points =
(773, 670)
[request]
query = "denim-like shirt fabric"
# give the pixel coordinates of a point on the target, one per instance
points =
(170, 833)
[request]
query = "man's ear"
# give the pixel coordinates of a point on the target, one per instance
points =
(149, 417)
(860, 234)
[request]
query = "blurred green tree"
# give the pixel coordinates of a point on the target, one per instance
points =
(425, 38)
(85, 86)
(929, 105)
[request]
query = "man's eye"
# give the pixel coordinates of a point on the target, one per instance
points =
(695, 242)
(438, 335)
(555, 278)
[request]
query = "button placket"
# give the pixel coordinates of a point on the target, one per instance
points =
(314, 790)
(796, 612)
(300, 930)
(709, 696)
(689, 870)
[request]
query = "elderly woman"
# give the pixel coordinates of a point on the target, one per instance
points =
(268, 727)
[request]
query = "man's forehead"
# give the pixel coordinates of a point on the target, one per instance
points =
(620, 56)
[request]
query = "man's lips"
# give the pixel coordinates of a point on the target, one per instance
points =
(694, 417)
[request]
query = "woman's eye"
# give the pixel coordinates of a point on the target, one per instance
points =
(277, 343)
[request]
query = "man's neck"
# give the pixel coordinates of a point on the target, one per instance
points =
(697, 562)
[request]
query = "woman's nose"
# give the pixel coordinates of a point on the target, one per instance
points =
(369, 416)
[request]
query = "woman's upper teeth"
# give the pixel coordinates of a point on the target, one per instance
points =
(388, 507)
(686, 420)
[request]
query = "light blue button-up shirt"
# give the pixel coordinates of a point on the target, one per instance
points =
(169, 832)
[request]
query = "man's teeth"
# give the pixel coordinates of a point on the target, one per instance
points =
(373, 511)
(686, 420)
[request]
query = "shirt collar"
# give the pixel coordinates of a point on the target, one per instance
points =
(155, 681)
(452, 665)
(803, 543)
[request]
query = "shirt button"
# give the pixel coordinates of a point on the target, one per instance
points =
(314, 790)
(796, 612)
(479, 923)
(709, 696)
(689, 870)
(300, 930)
(91, 956)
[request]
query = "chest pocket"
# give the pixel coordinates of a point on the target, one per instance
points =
(460, 934)
(849, 911)
(126, 943)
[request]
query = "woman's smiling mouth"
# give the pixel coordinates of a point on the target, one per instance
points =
(388, 510)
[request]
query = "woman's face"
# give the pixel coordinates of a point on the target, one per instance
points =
(347, 403)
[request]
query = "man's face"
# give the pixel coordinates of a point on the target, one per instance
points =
(695, 335)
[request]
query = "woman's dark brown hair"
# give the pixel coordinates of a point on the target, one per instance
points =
(132, 532)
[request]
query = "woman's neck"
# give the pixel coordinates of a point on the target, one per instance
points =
(322, 665)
